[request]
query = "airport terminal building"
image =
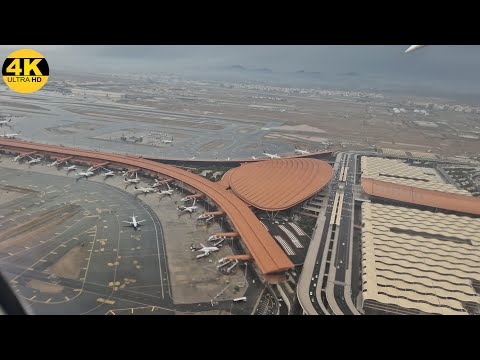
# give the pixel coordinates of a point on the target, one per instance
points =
(266, 185)
(420, 239)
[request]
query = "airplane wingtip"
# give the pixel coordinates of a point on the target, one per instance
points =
(413, 48)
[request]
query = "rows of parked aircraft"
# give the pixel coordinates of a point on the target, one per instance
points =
(205, 250)
(148, 189)
(6, 123)
(9, 136)
(134, 179)
(276, 156)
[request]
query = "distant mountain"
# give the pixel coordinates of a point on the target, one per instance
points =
(350, 73)
(243, 68)
(238, 67)
(310, 73)
(263, 70)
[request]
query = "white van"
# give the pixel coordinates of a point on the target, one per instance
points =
(244, 298)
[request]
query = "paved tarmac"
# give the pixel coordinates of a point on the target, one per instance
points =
(72, 254)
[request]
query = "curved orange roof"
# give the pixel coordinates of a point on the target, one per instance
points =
(225, 180)
(268, 255)
(279, 184)
(419, 196)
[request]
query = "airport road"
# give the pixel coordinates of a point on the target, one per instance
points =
(329, 278)
(311, 289)
(343, 256)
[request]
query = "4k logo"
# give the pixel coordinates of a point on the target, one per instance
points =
(25, 71)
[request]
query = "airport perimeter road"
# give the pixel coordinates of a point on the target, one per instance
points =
(311, 287)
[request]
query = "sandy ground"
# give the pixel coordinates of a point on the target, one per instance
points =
(9, 193)
(45, 287)
(74, 128)
(293, 138)
(212, 145)
(299, 128)
(20, 235)
(162, 121)
(70, 264)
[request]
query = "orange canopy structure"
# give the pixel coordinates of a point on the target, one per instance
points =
(278, 184)
(419, 196)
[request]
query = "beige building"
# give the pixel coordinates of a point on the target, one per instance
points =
(419, 262)
(400, 172)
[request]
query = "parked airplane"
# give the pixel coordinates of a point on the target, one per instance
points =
(70, 168)
(134, 222)
(6, 122)
(156, 183)
(9, 136)
(190, 209)
(33, 160)
(18, 157)
(166, 192)
(205, 217)
(136, 180)
(85, 174)
(55, 163)
(207, 250)
(108, 173)
(301, 152)
(166, 141)
(187, 198)
(271, 156)
(145, 190)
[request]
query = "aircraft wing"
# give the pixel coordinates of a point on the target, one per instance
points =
(138, 222)
(128, 222)
(413, 48)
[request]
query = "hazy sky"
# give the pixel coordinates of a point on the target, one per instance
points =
(435, 66)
